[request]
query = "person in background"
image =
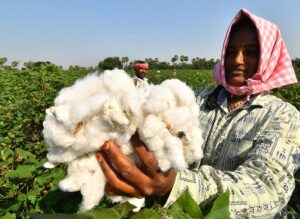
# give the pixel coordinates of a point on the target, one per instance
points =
(252, 138)
(140, 72)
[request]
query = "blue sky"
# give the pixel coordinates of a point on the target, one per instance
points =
(83, 32)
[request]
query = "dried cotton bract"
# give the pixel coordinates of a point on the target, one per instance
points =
(105, 107)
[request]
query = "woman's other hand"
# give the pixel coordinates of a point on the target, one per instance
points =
(125, 178)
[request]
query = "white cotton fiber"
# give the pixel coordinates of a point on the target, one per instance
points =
(172, 116)
(79, 91)
(98, 108)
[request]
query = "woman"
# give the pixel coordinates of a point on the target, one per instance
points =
(252, 146)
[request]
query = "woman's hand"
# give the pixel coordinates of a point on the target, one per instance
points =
(126, 179)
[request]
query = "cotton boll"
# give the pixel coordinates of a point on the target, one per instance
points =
(86, 109)
(178, 119)
(194, 150)
(49, 165)
(126, 148)
(61, 114)
(75, 178)
(165, 129)
(150, 127)
(163, 160)
(85, 175)
(137, 202)
(79, 171)
(113, 114)
(160, 100)
(144, 92)
(184, 94)
(73, 113)
(54, 133)
(92, 136)
(117, 81)
(93, 190)
(131, 106)
(155, 143)
(58, 155)
(82, 88)
(174, 149)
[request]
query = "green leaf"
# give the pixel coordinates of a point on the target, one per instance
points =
(187, 204)
(124, 208)
(178, 214)
(146, 213)
(22, 171)
(207, 204)
(220, 208)
(108, 213)
(32, 198)
(101, 213)
(297, 176)
(22, 197)
(24, 154)
(8, 216)
(59, 216)
(5, 153)
(10, 205)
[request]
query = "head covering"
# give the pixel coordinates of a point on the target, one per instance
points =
(274, 69)
(141, 65)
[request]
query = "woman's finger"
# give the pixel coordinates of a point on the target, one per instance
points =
(147, 158)
(114, 191)
(117, 183)
(125, 166)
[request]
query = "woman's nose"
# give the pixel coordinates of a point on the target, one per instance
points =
(239, 58)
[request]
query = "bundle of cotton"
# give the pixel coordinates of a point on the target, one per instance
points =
(95, 109)
(171, 127)
(109, 107)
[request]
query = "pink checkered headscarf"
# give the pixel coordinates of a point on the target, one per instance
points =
(274, 69)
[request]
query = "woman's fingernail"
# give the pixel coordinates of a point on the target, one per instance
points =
(106, 145)
(98, 155)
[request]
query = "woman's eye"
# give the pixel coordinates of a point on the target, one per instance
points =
(252, 52)
(231, 52)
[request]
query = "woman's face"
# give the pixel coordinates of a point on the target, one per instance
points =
(242, 56)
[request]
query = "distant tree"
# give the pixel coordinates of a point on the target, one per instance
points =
(211, 64)
(182, 58)
(42, 65)
(174, 59)
(296, 62)
(186, 58)
(14, 64)
(153, 63)
(124, 60)
(3, 60)
(110, 63)
(162, 65)
(28, 65)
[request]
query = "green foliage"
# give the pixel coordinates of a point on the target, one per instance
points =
(110, 63)
(185, 207)
(290, 93)
(186, 204)
(26, 187)
(3, 60)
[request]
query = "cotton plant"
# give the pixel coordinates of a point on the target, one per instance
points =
(106, 107)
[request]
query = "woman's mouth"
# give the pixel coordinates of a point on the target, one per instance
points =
(237, 72)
